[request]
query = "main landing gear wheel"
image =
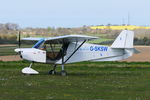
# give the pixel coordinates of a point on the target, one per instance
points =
(52, 72)
(63, 73)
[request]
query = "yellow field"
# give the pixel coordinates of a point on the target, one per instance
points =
(130, 27)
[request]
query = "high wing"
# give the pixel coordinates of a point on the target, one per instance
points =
(71, 38)
(66, 38)
(31, 38)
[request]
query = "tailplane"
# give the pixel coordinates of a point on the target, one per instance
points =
(124, 40)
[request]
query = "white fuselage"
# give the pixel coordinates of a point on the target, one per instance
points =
(87, 52)
(92, 52)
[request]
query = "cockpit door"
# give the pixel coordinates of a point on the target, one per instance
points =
(40, 55)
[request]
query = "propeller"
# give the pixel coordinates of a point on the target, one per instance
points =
(19, 39)
(17, 50)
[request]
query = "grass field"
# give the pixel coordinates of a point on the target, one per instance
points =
(85, 81)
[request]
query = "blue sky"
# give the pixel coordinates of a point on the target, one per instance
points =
(73, 13)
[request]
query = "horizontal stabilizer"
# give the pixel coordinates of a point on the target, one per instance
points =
(136, 51)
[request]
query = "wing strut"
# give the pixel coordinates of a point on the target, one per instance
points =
(75, 51)
(63, 72)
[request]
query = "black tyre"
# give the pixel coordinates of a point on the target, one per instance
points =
(52, 72)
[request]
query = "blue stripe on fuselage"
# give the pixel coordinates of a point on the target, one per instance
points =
(39, 43)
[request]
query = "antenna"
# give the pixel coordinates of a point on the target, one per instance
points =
(123, 21)
(128, 19)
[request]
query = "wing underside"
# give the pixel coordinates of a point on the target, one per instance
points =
(66, 38)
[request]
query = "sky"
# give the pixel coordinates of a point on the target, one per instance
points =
(74, 13)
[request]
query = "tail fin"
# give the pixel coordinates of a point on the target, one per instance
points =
(124, 40)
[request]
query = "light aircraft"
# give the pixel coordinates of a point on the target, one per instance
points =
(73, 48)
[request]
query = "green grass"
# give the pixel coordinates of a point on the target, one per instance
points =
(85, 81)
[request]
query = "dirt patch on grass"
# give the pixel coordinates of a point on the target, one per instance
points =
(10, 58)
(7, 45)
(143, 56)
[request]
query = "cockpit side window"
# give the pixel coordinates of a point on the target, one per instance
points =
(54, 50)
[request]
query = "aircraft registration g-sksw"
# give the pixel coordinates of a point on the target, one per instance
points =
(73, 48)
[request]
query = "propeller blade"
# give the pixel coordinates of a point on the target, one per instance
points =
(17, 50)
